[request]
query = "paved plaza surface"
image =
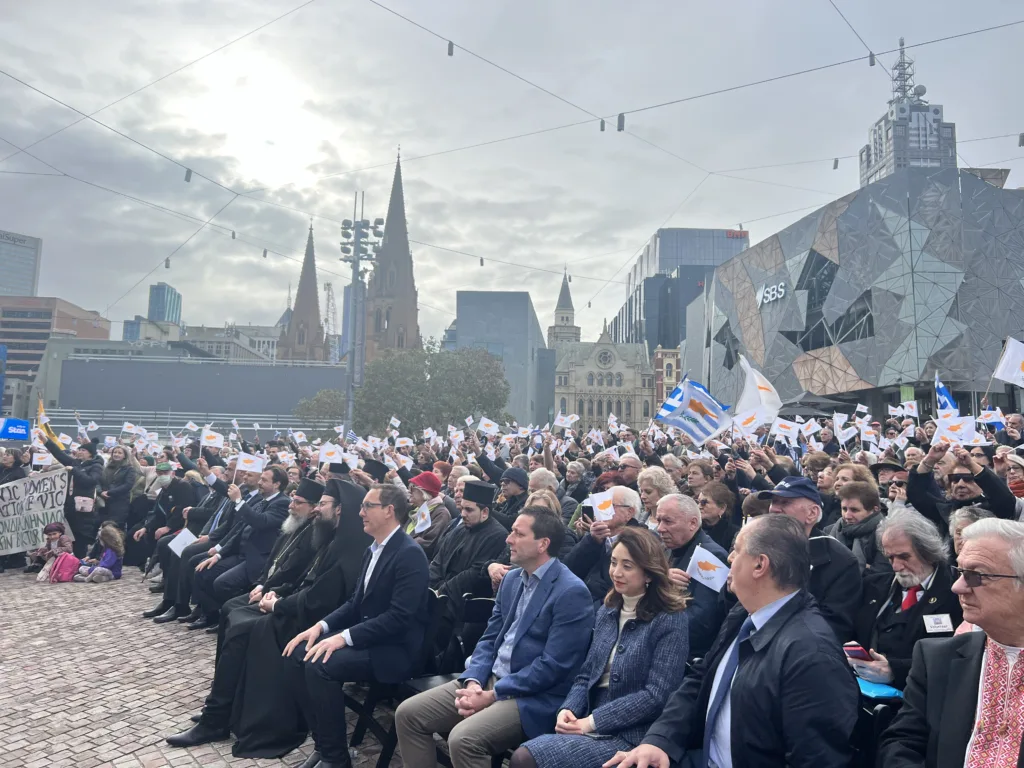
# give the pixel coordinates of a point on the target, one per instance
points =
(86, 682)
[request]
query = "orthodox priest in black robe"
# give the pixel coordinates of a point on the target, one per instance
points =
(265, 720)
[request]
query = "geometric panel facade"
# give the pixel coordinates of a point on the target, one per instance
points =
(920, 271)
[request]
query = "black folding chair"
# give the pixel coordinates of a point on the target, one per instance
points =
(476, 612)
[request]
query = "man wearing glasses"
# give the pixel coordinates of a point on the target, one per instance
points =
(912, 602)
(968, 482)
(377, 635)
(964, 699)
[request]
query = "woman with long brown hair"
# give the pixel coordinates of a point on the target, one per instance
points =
(636, 660)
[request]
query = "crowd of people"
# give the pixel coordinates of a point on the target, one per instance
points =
(855, 576)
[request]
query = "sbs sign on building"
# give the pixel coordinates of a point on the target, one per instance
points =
(20, 258)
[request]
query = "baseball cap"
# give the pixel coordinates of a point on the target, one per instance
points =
(793, 488)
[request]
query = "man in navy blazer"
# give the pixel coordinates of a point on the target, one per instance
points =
(377, 635)
(237, 561)
(522, 667)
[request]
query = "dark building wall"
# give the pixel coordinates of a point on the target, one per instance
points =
(505, 324)
(184, 387)
(545, 399)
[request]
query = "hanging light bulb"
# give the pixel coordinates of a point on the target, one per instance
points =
(621, 124)
(167, 263)
(871, 59)
(232, 234)
(481, 261)
(602, 125)
(835, 164)
(570, 278)
(188, 174)
(451, 48)
(264, 253)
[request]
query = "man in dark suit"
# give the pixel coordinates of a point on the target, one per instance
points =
(835, 572)
(679, 526)
(522, 667)
(234, 565)
(916, 603)
(775, 688)
(377, 635)
(964, 698)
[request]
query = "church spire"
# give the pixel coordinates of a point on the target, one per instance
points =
(564, 297)
(396, 231)
(303, 338)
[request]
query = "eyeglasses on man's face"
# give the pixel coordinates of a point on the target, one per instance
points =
(370, 504)
(975, 579)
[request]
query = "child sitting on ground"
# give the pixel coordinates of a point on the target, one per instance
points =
(56, 543)
(110, 548)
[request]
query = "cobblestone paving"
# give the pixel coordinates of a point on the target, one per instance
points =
(86, 682)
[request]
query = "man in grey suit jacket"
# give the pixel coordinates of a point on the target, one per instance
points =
(522, 667)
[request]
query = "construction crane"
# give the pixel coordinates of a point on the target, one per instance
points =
(331, 330)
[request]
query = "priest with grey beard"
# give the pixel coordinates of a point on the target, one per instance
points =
(289, 560)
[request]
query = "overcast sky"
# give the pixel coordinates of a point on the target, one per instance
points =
(339, 84)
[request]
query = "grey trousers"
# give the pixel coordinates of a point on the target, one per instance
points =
(471, 740)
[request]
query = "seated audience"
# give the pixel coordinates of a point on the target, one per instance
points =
(522, 667)
(55, 543)
(856, 529)
(590, 557)
(654, 484)
(234, 565)
(633, 665)
(914, 603)
(717, 506)
(775, 689)
(969, 484)
(964, 695)
(425, 488)
(107, 555)
(835, 573)
(679, 526)
(377, 635)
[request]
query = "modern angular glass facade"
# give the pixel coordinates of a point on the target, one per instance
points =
(164, 304)
(922, 271)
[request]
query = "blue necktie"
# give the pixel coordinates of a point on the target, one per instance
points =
(724, 686)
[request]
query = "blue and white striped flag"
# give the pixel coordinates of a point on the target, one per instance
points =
(691, 409)
(351, 437)
(943, 396)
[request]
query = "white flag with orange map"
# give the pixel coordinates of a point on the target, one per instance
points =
(758, 394)
(602, 505)
(707, 569)
(1011, 364)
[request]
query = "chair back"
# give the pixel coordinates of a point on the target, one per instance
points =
(477, 610)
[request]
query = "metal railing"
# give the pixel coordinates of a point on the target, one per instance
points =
(166, 422)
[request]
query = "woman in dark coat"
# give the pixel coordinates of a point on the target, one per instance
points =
(80, 505)
(10, 468)
(636, 660)
(118, 479)
(857, 527)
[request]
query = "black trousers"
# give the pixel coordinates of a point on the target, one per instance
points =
(183, 573)
(232, 648)
(83, 527)
(318, 689)
(215, 585)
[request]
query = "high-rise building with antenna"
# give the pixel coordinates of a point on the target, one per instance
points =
(911, 134)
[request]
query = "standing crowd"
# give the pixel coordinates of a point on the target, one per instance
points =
(502, 607)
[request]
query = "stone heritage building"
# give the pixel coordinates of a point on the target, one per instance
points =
(666, 372)
(596, 379)
(392, 320)
(302, 332)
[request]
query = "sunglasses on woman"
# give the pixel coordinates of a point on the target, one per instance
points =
(975, 579)
(960, 478)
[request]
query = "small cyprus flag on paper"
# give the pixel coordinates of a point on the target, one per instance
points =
(707, 569)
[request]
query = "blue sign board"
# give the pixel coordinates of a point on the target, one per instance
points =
(15, 429)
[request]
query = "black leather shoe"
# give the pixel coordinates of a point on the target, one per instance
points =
(346, 763)
(311, 762)
(196, 718)
(198, 734)
(194, 616)
(156, 589)
(213, 630)
(167, 616)
(160, 610)
(202, 623)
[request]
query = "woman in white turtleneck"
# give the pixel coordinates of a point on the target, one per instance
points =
(636, 660)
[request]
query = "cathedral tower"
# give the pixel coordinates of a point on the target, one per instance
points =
(564, 328)
(302, 337)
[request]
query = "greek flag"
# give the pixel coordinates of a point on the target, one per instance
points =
(352, 437)
(943, 396)
(691, 409)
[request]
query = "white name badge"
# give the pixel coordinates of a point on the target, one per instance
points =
(940, 622)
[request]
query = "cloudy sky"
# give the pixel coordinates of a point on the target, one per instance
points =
(337, 85)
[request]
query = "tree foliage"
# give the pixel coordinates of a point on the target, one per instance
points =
(327, 405)
(429, 387)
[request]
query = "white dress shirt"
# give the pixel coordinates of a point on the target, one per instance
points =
(375, 552)
(721, 739)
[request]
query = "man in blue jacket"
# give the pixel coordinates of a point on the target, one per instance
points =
(377, 635)
(523, 666)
